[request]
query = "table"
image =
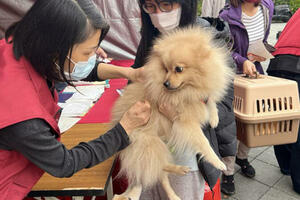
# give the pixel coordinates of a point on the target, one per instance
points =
(93, 125)
(87, 182)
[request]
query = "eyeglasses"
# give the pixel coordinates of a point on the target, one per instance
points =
(164, 6)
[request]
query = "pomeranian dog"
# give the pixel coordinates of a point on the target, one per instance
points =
(186, 69)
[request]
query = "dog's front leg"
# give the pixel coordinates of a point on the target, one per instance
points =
(176, 169)
(132, 193)
(213, 112)
(188, 135)
(167, 187)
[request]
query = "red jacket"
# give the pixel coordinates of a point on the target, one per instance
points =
(24, 95)
(289, 40)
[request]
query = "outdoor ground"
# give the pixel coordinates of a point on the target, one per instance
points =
(269, 183)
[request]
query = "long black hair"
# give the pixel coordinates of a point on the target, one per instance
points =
(50, 29)
(149, 32)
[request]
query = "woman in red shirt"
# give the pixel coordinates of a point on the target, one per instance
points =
(54, 41)
(286, 64)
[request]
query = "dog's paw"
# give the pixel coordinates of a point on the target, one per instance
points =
(183, 170)
(221, 166)
(214, 121)
(120, 197)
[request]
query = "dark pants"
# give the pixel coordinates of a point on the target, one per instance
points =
(288, 155)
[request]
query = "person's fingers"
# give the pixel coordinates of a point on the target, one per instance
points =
(248, 69)
(101, 53)
(253, 70)
(142, 106)
(145, 106)
(250, 72)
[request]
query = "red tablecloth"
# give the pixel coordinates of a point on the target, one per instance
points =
(100, 113)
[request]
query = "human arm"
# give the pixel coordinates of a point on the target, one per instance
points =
(37, 142)
(239, 60)
(108, 71)
(104, 71)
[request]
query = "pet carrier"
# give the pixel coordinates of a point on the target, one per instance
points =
(266, 109)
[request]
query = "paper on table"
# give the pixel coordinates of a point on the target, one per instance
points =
(76, 83)
(258, 48)
(65, 123)
(76, 109)
(87, 92)
(83, 88)
(78, 104)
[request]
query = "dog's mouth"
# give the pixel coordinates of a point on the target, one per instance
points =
(172, 89)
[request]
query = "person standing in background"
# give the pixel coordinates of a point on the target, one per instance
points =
(211, 8)
(124, 18)
(286, 64)
(249, 21)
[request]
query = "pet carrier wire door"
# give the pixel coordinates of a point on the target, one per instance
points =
(266, 109)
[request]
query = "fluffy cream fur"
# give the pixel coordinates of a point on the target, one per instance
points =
(197, 75)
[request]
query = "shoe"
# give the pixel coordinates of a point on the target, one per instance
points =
(227, 185)
(247, 169)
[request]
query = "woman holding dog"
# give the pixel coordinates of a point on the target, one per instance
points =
(159, 17)
(249, 21)
(46, 45)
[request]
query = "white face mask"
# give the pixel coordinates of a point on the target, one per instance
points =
(166, 21)
(82, 69)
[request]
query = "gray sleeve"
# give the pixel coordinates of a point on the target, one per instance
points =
(34, 139)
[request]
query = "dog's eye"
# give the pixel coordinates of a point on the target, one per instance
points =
(166, 70)
(178, 69)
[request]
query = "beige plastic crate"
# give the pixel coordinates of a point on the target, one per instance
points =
(267, 110)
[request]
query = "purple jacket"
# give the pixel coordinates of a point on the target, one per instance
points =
(239, 33)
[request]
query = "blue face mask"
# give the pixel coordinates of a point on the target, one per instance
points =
(82, 69)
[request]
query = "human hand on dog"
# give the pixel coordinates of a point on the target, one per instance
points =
(167, 110)
(136, 75)
(249, 68)
(136, 116)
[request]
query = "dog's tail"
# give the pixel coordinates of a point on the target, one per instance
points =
(144, 159)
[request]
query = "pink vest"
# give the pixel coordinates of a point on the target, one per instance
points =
(24, 95)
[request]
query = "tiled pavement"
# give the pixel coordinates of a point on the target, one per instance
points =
(269, 183)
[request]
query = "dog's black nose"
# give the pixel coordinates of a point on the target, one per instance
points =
(167, 84)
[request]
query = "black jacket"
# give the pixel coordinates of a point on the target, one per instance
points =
(223, 138)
